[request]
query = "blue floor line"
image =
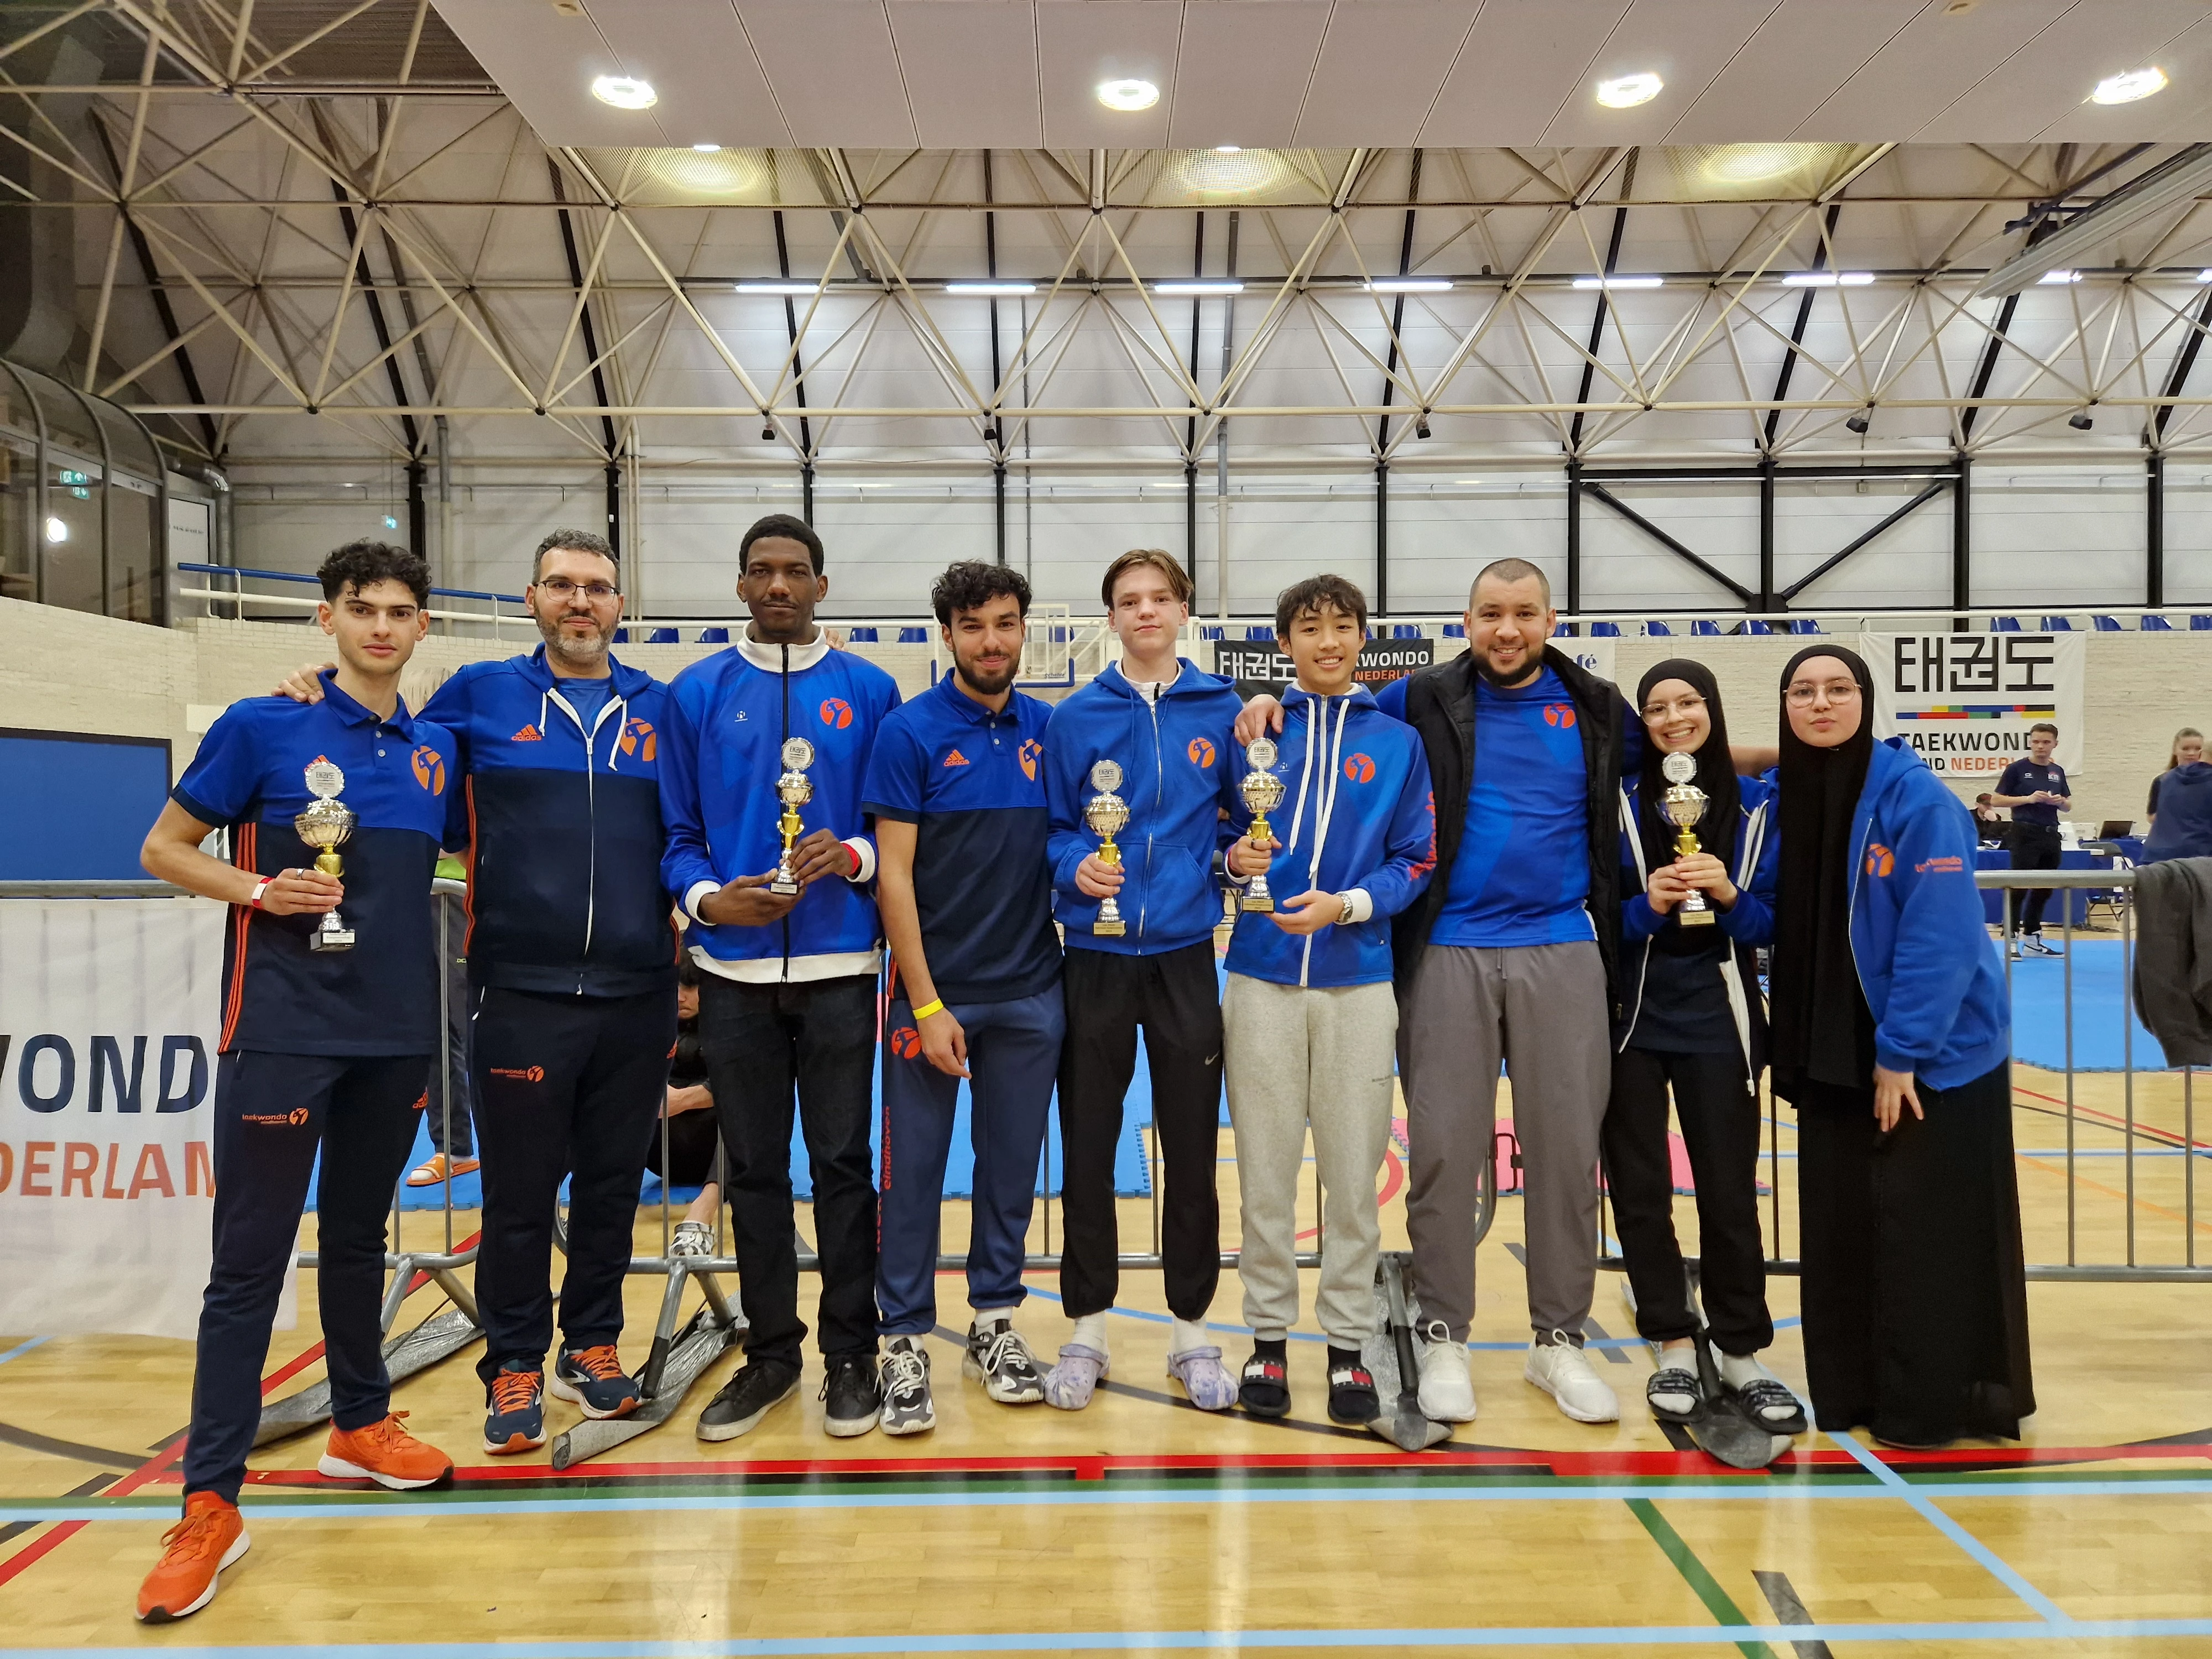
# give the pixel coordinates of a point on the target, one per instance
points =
(1982, 1553)
(1187, 1640)
(23, 1348)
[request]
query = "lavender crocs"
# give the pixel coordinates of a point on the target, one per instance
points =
(1204, 1378)
(1070, 1384)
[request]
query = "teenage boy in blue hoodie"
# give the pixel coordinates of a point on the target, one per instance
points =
(1309, 1017)
(787, 987)
(1163, 726)
(572, 971)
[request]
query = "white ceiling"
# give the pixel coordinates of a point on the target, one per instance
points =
(949, 74)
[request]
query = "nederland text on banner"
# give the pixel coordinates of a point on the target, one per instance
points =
(108, 1016)
(1964, 701)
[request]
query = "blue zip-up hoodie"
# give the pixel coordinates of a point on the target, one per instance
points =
(1747, 923)
(728, 716)
(1930, 973)
(1173, 753)
(563, 829)
(1356, 818)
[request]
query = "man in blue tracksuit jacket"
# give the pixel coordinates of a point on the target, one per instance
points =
(1309, 1017)
(1166, 726)
(572, 973)
(787, 983)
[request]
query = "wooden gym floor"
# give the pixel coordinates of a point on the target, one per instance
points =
(1143, 1525)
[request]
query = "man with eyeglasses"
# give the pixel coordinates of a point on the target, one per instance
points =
(572, 955)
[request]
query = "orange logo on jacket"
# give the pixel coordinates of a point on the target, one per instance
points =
(1561, 714)
(836, 713)
(1200, 753)
(637, 739)
(1358, 768)
(1879, 860)
(528, 734)
(520, 1074)
(1029, 755)
(906, 1043)
(956, 758)
(430, 770)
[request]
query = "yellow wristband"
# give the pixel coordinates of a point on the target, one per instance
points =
(929, 1008)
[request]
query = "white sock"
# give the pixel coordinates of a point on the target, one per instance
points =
(1674, 1359)
(1738, 1369)
(1090, 1333)
(1185, 1336)
(985, 1318)
(1683, 1357)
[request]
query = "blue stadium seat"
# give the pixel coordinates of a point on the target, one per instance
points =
(1560, 631)
(1804, 625)
(1704, 625)
(2004, 625)
(1405, 630)
(1658, 630)
(1211, 631)
(722, 636)
(1755, 626)
(913, 637)
(862, 636)
(621, 636)
(2200, 625)
(663, 636)
(2155, 625)
(2057, 625)
(1259, 633)
(1458, 630)
(2107, 624)
(1605, 630)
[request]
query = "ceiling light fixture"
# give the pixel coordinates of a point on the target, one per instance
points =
(707, 150)
(1629, 90)
(1827, 279)
(1228, 150)
(2170, 184)
(625, 93)
(2128, 88)
(1595, 283)
(779, 287)
(2205, 275)
(56, 531)
(2057, 278)
(1409, 284)
(1199, 286)
(1128, 95)
(991, 286)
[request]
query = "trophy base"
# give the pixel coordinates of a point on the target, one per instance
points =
(1108, 929)
(336, 940)
(1259, 903)
(784, 886)
(1689, 918)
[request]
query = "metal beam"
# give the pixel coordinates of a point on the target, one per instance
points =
(1599, 492)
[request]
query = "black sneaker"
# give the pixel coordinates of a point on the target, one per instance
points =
(1263, 1388)
(2034, 947)
(1352, 1401)
(515, 1411)
(593, 1379)
(1000, 1360)
(745, 1399)
(854, 1401)
(907, 1408)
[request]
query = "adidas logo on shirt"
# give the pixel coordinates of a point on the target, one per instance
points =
(528, 734)
(956, 758)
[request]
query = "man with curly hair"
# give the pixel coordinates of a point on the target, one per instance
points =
(957, 788)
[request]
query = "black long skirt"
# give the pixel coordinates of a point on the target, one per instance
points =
(1915, 1293)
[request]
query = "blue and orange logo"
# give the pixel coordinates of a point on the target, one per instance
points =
(430, 770)
(1879, 860)
(906, 1043)
(836, 713)
(1358, 768)
(1030, 753)
(1200, 753)
(1561, 714)
(638, 740)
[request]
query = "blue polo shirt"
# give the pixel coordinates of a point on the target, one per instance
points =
(972, 780)
(2026, 777)
(1521, 874)
(380, 998)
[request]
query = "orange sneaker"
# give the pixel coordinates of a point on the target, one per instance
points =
(194, 1552)
(431, 1171)
(386, 1454)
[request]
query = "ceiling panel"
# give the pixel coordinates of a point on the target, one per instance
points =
(1685, 42)
(711, 87)
(1382, 66)
(1521, 64)
(545, 63)
(970, 72)
(1242, 71)
(1800, 55)
(834, 69)
(2052, 75)
(1927, 68)
(1081, 43)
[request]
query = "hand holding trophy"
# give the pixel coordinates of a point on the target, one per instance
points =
(794, 789)
(325, 825)
(1685, 805)
(1108, 815)
(1263, 792)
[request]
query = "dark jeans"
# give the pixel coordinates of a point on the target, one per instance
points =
(762, 1043)
(1719, 1114)
(271, 1112)
(449, 1102)
(2034, 847)
(1175, 997)
(566, 1085)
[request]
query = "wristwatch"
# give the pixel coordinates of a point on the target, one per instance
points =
(1344, 917)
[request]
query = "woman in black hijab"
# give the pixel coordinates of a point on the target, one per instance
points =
(1892, 1037)
(1693, 1024)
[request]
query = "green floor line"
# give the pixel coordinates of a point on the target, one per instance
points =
(1717, 1599)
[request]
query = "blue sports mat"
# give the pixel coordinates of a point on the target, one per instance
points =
(2101, 1003)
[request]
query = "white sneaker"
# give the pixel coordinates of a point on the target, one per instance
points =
(1562, 1370)
(1447, 1391)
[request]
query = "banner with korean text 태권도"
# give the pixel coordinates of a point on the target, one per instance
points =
(1964, 701)
(109, 1010)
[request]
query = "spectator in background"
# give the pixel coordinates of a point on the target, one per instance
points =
(448, 1122)
(2188, 748)
(684, 1153)
(2183, 826)
(2036, 790)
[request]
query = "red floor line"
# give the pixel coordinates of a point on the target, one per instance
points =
(2110, 1120)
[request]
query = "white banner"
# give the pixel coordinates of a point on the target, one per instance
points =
(1592, 656)
(107, 1047)
(1965, 701)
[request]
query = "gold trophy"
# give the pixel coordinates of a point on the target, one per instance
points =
(325, 825)
(1108, 815)
(794, 789)
(1263, 792)
(1685, 806)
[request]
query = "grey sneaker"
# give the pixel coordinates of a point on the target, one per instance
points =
(998, 1360)
(907, 1408)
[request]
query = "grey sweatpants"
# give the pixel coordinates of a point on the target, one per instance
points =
(1294, 1057)
(1539, 1009)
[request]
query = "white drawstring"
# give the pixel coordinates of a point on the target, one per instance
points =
(1328, 800)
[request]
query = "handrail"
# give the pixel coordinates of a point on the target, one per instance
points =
(298, 576)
